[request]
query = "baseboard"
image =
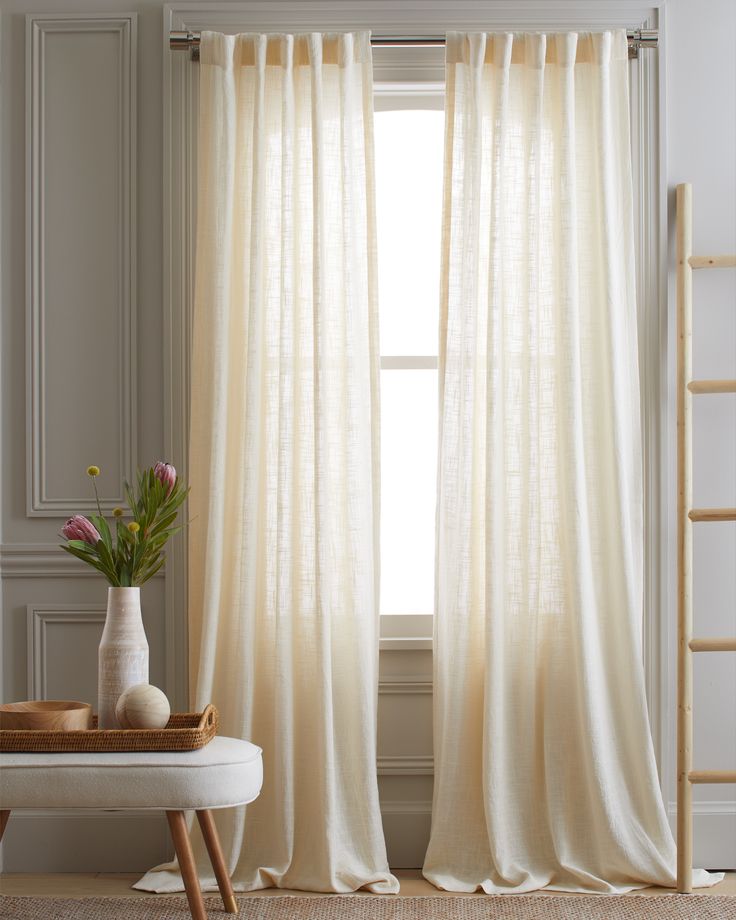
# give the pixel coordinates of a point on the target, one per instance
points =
(714, 833)
(133, 841)
(85, 841)
(406, 829)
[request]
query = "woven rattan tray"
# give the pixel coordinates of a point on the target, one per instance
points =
(186, 731)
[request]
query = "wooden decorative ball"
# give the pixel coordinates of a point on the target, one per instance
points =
(143, 706)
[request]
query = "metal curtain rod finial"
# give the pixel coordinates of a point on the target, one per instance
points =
(189, 41)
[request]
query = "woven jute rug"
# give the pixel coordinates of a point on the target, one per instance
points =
(381, 907)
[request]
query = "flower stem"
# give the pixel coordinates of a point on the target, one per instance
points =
(97, 497)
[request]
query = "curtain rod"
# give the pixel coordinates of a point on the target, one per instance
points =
(637, 38)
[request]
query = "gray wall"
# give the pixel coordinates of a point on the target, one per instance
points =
(701, 149)
(94, 371)
(99, 399)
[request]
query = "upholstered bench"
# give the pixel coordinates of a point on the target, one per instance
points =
(225, 773)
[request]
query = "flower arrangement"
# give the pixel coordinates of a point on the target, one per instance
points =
(135, 553)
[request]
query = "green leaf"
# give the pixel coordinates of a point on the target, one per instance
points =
(155, 543)
(123, 532)
(106, 556)
(137, 552)
(162, 523)
(149, 572)
(81, 545)
(74, 550)
(131, 499)
(177, 497)
(101, 525)
(125, 541)
(109, 574)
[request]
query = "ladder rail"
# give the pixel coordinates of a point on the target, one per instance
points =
(712, 261)
(715, 515)
(684, 542)
(712, 776)
(712, 386)
(716, 644)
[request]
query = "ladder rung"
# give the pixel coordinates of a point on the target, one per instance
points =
(712, 386)
(723, 644)
(712, 776)
(712, 514)
(712, 261)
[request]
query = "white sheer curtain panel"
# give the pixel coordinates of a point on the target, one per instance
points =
(284, 453)
(544, 766)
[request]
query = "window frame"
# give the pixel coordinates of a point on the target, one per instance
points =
(407, 630)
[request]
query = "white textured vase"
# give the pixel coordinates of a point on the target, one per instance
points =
(123, 654)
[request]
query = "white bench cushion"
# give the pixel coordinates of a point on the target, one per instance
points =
(225, 772)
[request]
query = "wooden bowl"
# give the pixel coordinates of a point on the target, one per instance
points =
(46, 715)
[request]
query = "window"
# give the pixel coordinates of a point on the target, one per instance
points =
(411, 80)
(409, 164)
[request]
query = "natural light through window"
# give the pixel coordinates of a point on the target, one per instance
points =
(409, 154)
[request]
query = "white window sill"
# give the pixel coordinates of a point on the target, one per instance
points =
(406, 632)
(405, 643)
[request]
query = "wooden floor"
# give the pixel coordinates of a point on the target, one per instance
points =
(118, 885)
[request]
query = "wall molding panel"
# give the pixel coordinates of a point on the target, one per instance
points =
(45, 560)
(713, 823)
(39, 617)
(80, 258)
(404, 685)
(400, 765)
(406, 807)
(41, 560)
(74, 840)
(406, 825)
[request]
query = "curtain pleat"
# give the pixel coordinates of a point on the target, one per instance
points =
(544, 768)
(284, 455)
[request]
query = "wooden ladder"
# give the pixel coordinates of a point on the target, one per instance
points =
(686, 516)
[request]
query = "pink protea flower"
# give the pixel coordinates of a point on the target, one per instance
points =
(79, 528)
(166, 474)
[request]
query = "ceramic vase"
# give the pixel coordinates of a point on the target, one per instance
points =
(123, 653)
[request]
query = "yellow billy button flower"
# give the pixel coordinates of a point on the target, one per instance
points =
(134, 527)
(93, 471)
(117, 512)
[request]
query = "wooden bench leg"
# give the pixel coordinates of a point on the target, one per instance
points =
(212, 841)
(183, 847)
(4, 815)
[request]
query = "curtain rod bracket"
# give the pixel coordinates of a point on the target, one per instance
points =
(641, 38)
